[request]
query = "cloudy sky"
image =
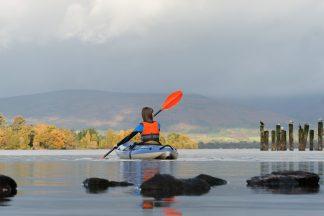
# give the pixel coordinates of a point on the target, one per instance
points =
(212, 47)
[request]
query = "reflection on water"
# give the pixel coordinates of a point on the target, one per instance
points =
(4, 201)
(137, 172)
(56, 183)
(165, 203)
(310, 166)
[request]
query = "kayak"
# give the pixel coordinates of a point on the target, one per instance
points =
(146, 151)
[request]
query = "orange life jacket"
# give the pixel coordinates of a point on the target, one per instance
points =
(151, 132)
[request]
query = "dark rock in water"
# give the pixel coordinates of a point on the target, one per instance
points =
(288, 182)
(212, 181)
(8, 186)
(97, 185)
(164, 185)
(285, 178)
(195, 186)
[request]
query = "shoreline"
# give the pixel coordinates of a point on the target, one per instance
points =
(247, 155)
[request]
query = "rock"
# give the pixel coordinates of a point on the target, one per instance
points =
(164, 185)
(8, 186)
(291, 182)
(97, 185)
(212, 181)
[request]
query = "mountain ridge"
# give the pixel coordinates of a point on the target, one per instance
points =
(102, 110)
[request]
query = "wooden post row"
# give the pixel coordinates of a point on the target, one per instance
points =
(279, 138)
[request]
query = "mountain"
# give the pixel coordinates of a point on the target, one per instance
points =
(78, 109)
(303, 108)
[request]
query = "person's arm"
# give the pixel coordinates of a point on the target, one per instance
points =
(137, 130)
(127, 138)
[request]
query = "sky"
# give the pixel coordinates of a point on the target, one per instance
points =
(222, 48)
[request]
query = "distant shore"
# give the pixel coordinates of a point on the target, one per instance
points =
(230, 145)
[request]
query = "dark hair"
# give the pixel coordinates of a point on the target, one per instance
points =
(147, 114)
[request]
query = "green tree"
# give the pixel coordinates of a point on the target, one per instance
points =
(93, 132)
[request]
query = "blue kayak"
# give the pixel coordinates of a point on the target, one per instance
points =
(146, 151)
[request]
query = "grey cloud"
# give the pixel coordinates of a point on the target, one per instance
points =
(222, 48)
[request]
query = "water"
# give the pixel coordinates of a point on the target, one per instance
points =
(50, 183)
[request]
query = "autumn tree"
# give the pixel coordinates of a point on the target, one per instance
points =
(20, 135)
(51, 137)
(181, 141)
(18, 123)
(89, 138)
(3, 121)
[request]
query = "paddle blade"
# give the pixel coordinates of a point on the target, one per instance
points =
(172, 100)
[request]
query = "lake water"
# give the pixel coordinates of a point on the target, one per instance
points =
(50, 183)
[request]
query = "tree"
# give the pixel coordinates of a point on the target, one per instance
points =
(3, 121)
(51, 137)
(93, 132)
(89, 138)
(18, 123)
(181, 141)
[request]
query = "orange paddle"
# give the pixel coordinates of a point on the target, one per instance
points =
(171, 101)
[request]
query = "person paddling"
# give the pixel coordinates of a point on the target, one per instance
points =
(150, 129)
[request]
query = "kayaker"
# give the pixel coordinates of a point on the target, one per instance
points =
(148, 128)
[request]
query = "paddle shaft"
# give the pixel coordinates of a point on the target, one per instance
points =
(157, 112)
(118, 145)
(109, 152)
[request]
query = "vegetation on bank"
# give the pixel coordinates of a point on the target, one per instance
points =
(20, 135)
(228, 136)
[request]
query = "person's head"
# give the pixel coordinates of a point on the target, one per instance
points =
(147, 114)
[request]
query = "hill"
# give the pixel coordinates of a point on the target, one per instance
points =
(78, 109)
(304, 108)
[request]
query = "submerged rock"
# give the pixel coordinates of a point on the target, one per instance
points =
(8, 186)
(164, 185)
(289, 182)
(97, 185)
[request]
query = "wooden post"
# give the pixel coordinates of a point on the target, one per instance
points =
(291, 135)
(305, 136)
(320, 135)
(278, 127)
(261, 135)
(283, 140)
(300, 137)
(273, 140)
(266, 141)
(311, 140)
